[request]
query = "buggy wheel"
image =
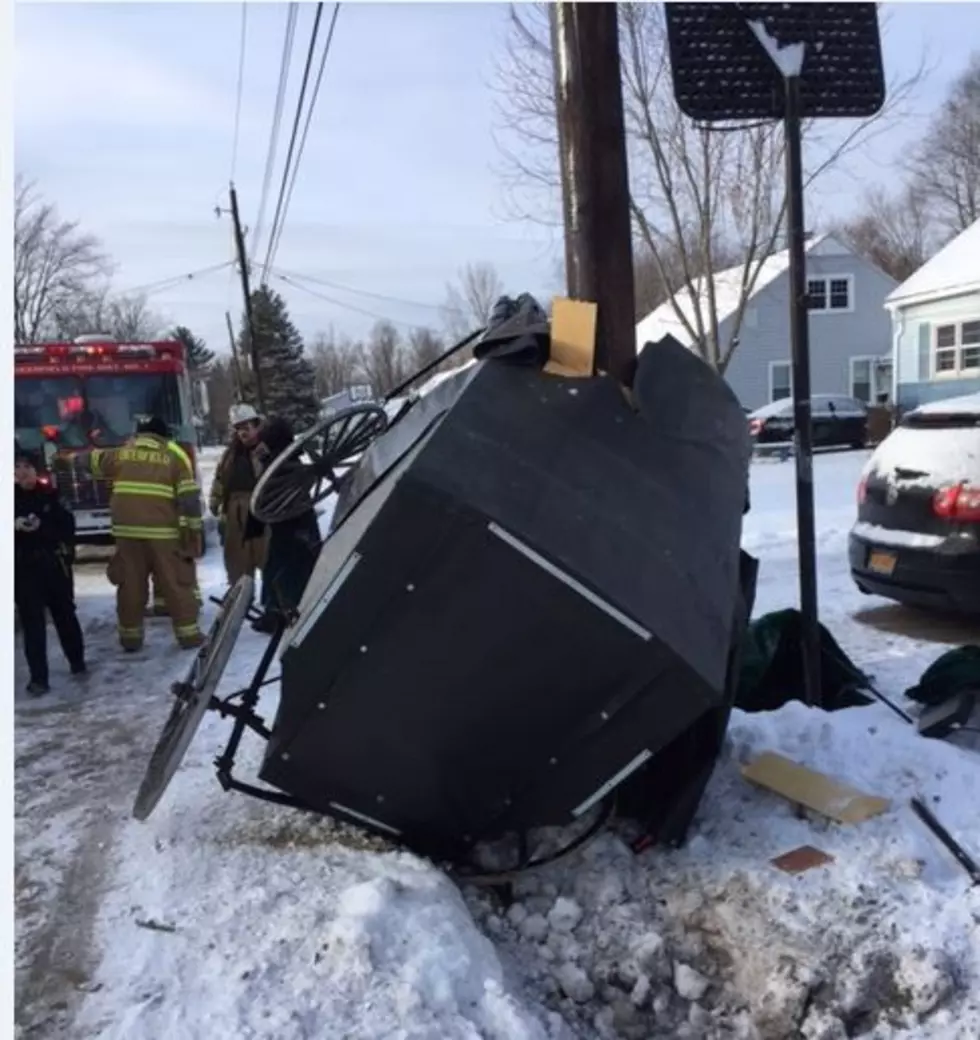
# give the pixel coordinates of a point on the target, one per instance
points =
(193, 696)
(326, 452)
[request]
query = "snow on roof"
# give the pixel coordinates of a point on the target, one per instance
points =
(954, 269)
(728, 290)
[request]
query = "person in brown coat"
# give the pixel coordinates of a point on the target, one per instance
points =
(234, 480)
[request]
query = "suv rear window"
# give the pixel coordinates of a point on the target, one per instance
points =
(936, 450)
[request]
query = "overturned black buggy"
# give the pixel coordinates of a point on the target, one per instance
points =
(526, 612)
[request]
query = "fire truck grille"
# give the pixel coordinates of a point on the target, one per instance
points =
(78, 488)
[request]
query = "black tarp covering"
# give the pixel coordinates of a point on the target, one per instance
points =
(532, 588)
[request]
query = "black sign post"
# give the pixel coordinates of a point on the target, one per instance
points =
(796, 61)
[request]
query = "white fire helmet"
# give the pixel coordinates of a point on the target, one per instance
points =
(239, 414)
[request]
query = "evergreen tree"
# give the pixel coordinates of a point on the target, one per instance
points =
(288, 379)
(199, 358)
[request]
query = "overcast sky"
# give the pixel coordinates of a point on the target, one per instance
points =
(124, 115)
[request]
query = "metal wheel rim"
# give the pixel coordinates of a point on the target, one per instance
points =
(333, 446)
(186, 712)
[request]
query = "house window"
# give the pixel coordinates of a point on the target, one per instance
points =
(780, 380)
(956, 349)
(862, 378)
(833, 293)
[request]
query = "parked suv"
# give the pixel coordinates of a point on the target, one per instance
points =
(837, 422)
(917, 536)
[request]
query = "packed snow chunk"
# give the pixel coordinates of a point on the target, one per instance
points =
(534, 927)
(575, 984)
(690, 984)
(406, 947)
(925, 977)
(565, 915)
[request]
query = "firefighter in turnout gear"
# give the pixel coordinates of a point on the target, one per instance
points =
(156, 523)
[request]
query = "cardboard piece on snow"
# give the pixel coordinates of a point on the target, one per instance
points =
(803, 858)
(573, 324)
(813, 790)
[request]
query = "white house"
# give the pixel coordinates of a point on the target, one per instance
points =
(850, 331)
(935, 318)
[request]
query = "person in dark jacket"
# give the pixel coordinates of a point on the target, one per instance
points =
(44, 550)
(294, 545)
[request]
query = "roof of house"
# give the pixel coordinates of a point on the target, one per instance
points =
(728, 291)
(955, 269)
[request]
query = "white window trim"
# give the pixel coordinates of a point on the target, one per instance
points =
(827, 279)
(772, 366)
(872, 360)
(958, 371)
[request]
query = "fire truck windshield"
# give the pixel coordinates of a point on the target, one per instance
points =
(72, 411)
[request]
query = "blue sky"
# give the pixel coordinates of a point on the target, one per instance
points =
(124, 115)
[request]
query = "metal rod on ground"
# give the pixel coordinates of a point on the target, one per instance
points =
(249, 319)
(803, 430)
(236, 365)
(595, 185)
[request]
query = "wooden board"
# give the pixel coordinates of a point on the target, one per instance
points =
(573, 324)
(813, 790)
(796, 861)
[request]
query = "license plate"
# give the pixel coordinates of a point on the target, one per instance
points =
(882, 562)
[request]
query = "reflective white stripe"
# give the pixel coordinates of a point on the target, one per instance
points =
(370, 820)
(547, 565)
(630, 767)
(303, 629)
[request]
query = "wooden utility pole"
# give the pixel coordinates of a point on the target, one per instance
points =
(250, 321)
(236, 365)
(595, 181)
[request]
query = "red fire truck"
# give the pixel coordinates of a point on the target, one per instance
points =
(90, 393)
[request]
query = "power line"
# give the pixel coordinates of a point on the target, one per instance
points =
(349, 306)
(366, 292)
(270, 159)
(274, 230)
(306, 126)
(238, 92)
(166, 283)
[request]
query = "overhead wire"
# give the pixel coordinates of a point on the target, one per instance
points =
(167, 283)
(274, 229)
(348, 306)
(239, 91)
(363, 292)
(306, 127)
(235, 135)
(270, 160)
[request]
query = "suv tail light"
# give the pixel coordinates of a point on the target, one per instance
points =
(755, 426)
(958, 502)
(862, 492)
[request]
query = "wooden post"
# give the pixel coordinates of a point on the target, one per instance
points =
(247, 292)
(595, 182)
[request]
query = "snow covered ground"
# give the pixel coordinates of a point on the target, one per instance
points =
(223, 917)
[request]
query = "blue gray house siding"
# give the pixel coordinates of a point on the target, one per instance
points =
(914, 331)
(865, 331)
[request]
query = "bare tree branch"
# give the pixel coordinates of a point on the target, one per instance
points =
(469, 302)
(54, 263)
(946, 166)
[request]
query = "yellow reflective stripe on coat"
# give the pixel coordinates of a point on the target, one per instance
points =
(156, 534)
(140, 487)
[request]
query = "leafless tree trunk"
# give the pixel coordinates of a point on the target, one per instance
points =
(335, 363)
(946, 165)
(700, 197)
(470, 300)
(54, 263)
(125, 318)
(383, 361)
(893, 232)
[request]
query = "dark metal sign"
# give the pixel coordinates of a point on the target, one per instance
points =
(724, 58)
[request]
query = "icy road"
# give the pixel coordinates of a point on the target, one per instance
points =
(224, 918)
